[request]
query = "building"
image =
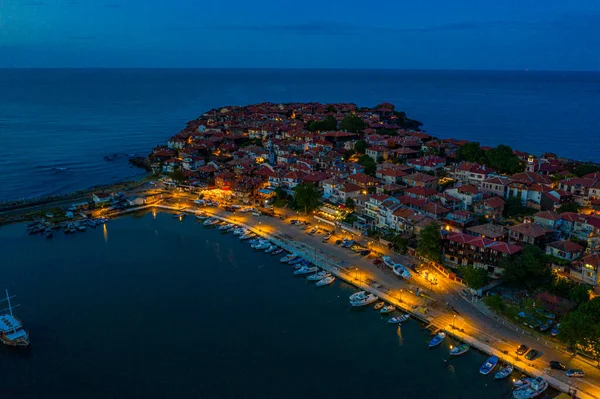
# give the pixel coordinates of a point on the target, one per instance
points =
(565, 249)
(530, 233)
(462, 250)
(467, 194)
(585, 270)
(491, 208)
(420, 180)
(492, 231)
(102, 198)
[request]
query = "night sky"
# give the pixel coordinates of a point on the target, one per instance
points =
(429, 34)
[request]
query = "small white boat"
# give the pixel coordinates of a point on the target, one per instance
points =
(326, 281)
(388, 261)
(201, 217)
(288, 258)
(435, 341)
(239, 231)
(505, 372)
(357, 295)
(523, 382)
(271, 249)
(305, 270)
(211, 222)
(277, 251)
(247, 236)
(533, 390)
(262, 245)
(379, 305)
(225, 226)
(49, 215)
(363, 300)
(401, 271)
(460, 349)
(296, 260)
(387, 309)
(398, 319)
(318, 276)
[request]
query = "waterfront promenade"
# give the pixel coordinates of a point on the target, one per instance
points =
(441, 306)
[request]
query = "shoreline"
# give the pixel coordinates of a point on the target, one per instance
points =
(346, 276)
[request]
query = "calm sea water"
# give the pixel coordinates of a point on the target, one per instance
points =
(74, 118)
(151, 307)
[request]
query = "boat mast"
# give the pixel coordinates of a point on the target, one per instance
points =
(9, 306)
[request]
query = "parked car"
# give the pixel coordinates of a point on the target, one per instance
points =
(532, 354)
(575, 373)
(521, 350)
(377, 261)
(338, 242)
(365, 252)
(556, 365)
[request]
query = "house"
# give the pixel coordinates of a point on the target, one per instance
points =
(462, 250)
(338, 191)
(420, 180)
(377, 152)
(363, 180)
(291, 179)
(564, 249)
(429, 163)
(586, 269)
(176, 143)
(457, 221)
(495, 185)
(548, 219)
(489, 230)
(467, 194)
(471, 173)
(491, 208)
(390, 175)
(584, 189)
(136, 201)
(530, 233)
(406, 219)
(102, 198)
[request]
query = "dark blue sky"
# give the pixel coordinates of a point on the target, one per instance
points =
(433, 34)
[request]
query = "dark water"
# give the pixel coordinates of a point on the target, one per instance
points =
(73, 118)
(157, 308)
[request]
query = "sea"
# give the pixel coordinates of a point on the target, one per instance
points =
(68, 129)
(149, 306)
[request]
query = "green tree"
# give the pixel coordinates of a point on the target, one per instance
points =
(513, 207)
(504, 160)
(530, 269)
(327, 124)
(369, 164)
(350, 203)
(429, 244)
(360, 146)
(331, 108)
(471, 152)
(306, 196)
(583, 169)
(352, 123)
(495, 302)
(582, 327)
(177, 175)
(400, 243)
(572, 207)
(475, 277)
(580, 294)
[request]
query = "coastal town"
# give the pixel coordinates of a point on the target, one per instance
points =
(499, 248)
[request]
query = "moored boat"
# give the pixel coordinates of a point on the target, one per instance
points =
(358, 294)
(12, 332)
(363, 300)
(318, 276)
(91, 223)
(555, 330)
(533, 390)
(387, 309)
(296, 260)
(305, 270)
(545, 326)
(459, 349)
(211, 222)
(326, 281)
(505, 372)
(288, 258)
(271, 249)
(79, 226)
(489, 365)
(379, 305)
(435, 341)
(48, 233)
(277, 252)
(398, 319)
(523, 382)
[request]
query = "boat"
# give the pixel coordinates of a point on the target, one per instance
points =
(12, 332)
(505, 372)
(398, 319)
(91, 223)
(48, 233)
(201, 217)
(224, 226)
(459, 349)
(301, 264)
(318, 276)
(261, 245)
(211, 222)
(489, 365)
(363, 300)
(555, 330)
(296, 260)
(288, 258)
(379, 305)
(69, 228)
(358, 294)
(523, 382)
(544, 313)
(271, 249)
(179, 215)
(80, 227)
(388, 261)
(326, 281)
(546, 325)
(348, 244)
(49, 215)
(387, 309)
(435, 341)
(247, 236)
(277, 252)
(532, 390)
(238, 231)
(401, 271)
(305, 270)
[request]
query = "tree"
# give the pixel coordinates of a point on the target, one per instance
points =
(475, 277)
(430, 243)
(582, 327)
(329, 123)
(178, 176)
(583, 169)
(352, 123)
(495, 302)
(529, 268)
(572, 207)
(580, 294)
(331, 108)
(369, 164)
(513, 207)
(400, 243)
(503, 160)
(360, 146)
(471, 152)
(306, 196)
(350, 203)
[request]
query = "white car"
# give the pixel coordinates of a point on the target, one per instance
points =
(256, 213)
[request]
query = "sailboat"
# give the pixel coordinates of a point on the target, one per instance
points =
(11, 329)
